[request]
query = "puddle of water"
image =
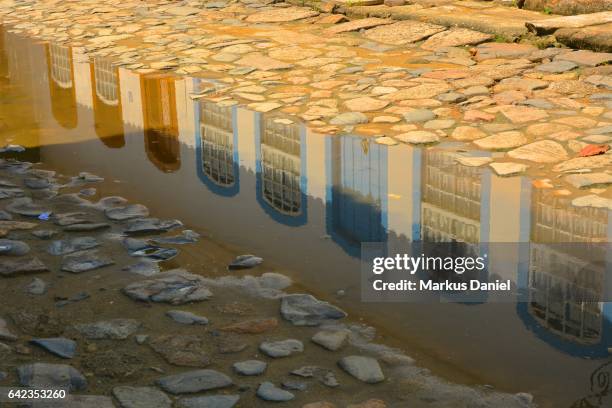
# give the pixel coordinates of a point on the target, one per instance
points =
(307, 201)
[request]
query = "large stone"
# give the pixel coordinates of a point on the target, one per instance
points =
(141, 397)
(349, 118)
(582, 163)
(68, 246)
(503, 50)
(589, 179)
(331, 339)
(175, 287)
(550, 25)
(250, 367)
(502, 141)
(467, 133)
(365, 369)
(21, 266)
(365, 104)
(194, 381)
(357, 25)
(13, 248)
(522, 114)
(586, 58)
(84, 261)
(127, 212)
(557, 67)
(42, 375)
(455, 37)
(419, 115)
(508, 169)
(61, 347)
(403, 32)
(151, 225)
(543, 151)
(418, 137)
(592, 200)
(114, 329)
(26, 207)
(269, 392)
(262, 62)
(281, 15)
(423, 91)
(306, 310)
(211, 401)
(281, 348)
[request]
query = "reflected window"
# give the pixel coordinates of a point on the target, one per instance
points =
(161, 122)
(281, 166)
(217, 135)
(451, 199)
(61, 85)
(108, 117)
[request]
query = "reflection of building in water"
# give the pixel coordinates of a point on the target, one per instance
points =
(281, 166)
(217, 131)
(568, 276)
(160, 122)
(452, 194)
(61, 85)
(108, 119)
(359, 192)
(3, 56)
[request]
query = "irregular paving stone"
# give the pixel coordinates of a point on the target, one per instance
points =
(419, 115)
(473, 161)
(349, 118)
(423, 91)
(589, 179)
(127, 212)
(151, 225)
(508, 169)
(281, 15)
(262, 62)
(114, 329)
(36, 287)
(503, 50)
(141, 248)
(13, 248)
(245, 262)
(175, 287)
(145, 267)
(26, 207)
(306, 310)
(45, 233)
(84, 261)
(141, 397)
(403, 32)
(502, 141)
(212, 401)
(59, 346)
(331, 339)
(250, 367)
(13, 267)
(194, 381)
(282, 348)
(68, 246)
(467, 133)
(269, 392)
(418, 137)
(36, 183)
(592, 200)
(70, 218)
(254, 326)
(42, 375)
(455, 37)
(365, 369)
(522, 114)
(557, 67)
(5, 334)
(185, 237)
(357, 25)
(365, 104)
(580, 163)
(543, 151)
(438, 124)
(181, 350)
(585, 57)
(182, 11)
(183, 317)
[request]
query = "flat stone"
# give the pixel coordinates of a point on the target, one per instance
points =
(141, 397)
(69, 246)
(359, 24)
(36, 287)
(451, 97)
(269, 392)
(264, 106)
(438, 124)
(21, 266)
(13, 248)
(385, 140)
(508, 169)
(185, 237)
(467, 133)
(423, 91)
(557, 67)
(349, 118)
(581, 163)
(365, 104)
(212, 401)
(332, 340)
(250, 367)
(175, 287)
(306, 310)
(127, 212)
(365, 369)
(194, 381)
(36, 183)
(42, 375)
(403, 32)
(151, 226)
(543, 151)
(182, 11)
(262, 62)
(183, 317)
(281, 15)
(502, 141)
(282, 348)
(182, 350)
(586, 58)
(503, 50)
(473, 161)
(61, 347)
(418, 137)
(26, 207)
(419, 115)
(589, 179)
(549, 25)
(245, 262)
(114, 329)
(455, 37)
(84, 261)
(592, 200)
(5, 334)
(523, 114)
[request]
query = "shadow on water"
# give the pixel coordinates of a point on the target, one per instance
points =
(308, 202)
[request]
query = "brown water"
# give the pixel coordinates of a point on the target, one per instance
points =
(306, 201)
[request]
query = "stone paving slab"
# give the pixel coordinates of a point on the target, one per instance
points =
(357, 25)
(403, 32)
(569, 7)
(550, 25)
(596, 38)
